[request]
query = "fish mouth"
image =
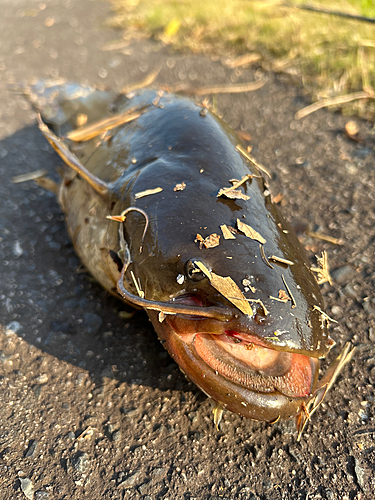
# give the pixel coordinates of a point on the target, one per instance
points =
(233, 367)
(237, 369)
(246, 361)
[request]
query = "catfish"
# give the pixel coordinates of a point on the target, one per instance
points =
(169, 212)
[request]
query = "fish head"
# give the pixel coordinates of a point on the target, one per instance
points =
(260, 357)
(252, 329)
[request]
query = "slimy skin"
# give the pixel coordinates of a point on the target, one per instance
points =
(263, 363)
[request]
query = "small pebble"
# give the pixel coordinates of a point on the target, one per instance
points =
(349, 291)
(17, 249)
(371, 334)
(369, 306)
(159, 471)
(131, 480)
(31, 449)
(27, 488)
(81, 462)
(336, 310)
(42, 379)
(360, 473)
(80, 379)
(116, 436)
(343, 274)
(37, 390)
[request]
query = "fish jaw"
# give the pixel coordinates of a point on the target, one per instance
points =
(223, 372)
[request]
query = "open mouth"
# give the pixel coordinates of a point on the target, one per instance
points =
(245, 360)
(231, 364)
(251, 365)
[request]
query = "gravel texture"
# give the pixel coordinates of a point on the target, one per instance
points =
(91, 405)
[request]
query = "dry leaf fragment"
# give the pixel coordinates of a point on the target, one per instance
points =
(247, 284)
(199, 239)
(323, 269)
(210, 242)
(180, 187)
(233, 194)
(147, 192)
(228, 288)
(283, 295)
(250, 232)
(228, 235)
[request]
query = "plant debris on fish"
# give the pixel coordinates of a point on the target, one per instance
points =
(255, 352)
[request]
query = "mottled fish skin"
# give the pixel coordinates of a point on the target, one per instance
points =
(173, 142)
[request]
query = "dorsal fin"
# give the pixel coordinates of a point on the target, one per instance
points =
(71, 160)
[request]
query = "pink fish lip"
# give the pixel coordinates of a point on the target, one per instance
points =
(244, 359)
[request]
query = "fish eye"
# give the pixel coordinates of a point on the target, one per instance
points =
(193, 272)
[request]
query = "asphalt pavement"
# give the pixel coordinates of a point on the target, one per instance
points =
(91, 406)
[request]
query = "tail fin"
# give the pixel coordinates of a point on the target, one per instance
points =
(63, 105)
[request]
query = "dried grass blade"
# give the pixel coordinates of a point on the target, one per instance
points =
(219, 89)
(242, 60)
(280, 260)
(150, 78)
(90, 131)
(325, 237)
(147, 192)
(31, 176)
(322, 271)
(334, 101)
(252, 160)
(289, 292)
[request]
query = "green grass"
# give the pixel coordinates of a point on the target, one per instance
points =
(330, 54)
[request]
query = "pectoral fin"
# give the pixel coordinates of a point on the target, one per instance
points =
(72, 161)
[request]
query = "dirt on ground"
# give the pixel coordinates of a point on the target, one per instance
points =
(91, 406)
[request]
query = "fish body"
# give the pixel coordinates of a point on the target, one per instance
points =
(241, 316)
